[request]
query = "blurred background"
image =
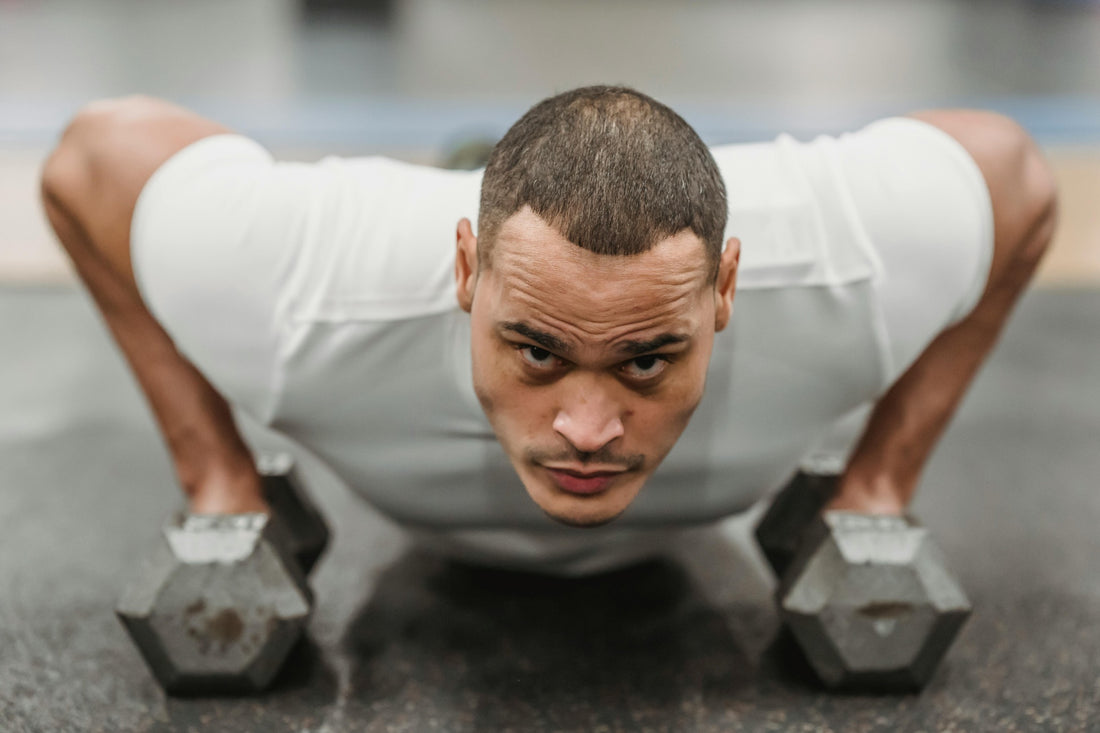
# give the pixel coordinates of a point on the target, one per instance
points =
(84, 477)
(414, 78)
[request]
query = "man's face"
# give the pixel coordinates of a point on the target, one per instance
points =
(589, 366)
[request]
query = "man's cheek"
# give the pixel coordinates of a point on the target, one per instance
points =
(669, 422)
(485, 397)
(490, 386)
(688, 393)
(528, 415)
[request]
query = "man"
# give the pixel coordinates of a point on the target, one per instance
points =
(583, 342)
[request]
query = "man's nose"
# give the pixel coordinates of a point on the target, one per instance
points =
(589, 423)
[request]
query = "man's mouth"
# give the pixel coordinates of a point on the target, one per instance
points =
(582, 482)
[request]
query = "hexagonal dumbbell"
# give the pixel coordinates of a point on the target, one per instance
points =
(219, 604)
(223, 598)
(870, 601)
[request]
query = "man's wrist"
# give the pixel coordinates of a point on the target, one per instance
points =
(880, 495)
(238, 492)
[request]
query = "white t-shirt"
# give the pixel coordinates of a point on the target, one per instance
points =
(320, 299)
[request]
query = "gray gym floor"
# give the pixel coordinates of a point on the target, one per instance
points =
(407, 642)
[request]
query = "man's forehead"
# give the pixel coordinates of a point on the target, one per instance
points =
(527, 248)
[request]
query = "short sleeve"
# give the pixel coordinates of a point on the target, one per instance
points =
(215, 233)
(233, 251)
(923, 208)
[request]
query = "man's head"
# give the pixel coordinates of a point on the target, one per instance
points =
(595, 286)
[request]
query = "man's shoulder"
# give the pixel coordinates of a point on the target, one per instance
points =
(376, 238)
(788, 209)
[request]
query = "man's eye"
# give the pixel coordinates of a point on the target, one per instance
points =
(537, 357)
(646, 367)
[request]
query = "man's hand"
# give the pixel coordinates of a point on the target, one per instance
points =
(885, 466)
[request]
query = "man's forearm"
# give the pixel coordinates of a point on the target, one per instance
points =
(907, 422)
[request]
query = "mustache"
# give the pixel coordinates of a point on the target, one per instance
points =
(602, 457)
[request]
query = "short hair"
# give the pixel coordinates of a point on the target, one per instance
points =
(613, 170)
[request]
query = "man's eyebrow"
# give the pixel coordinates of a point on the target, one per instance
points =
(548, 341)
(635, 348)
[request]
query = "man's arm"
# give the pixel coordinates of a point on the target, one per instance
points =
(90, 186)
(903, 428)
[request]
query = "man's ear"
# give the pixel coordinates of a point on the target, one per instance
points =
(466, 264)
(727, 283)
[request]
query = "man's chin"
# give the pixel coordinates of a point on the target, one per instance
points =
(583, 520)
(585, 512)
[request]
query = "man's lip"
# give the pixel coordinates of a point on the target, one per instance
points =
(582, 483)
(580, 473)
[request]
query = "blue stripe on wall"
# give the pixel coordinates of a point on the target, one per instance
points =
(388, 122)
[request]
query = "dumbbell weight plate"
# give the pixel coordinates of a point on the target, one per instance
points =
(779, 532)
(871, 603)
(219, 604)
(282, 489)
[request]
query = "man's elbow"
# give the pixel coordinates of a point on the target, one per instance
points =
(1023, 187)
(68, 164)
(1039, 190)
(100, 135)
